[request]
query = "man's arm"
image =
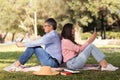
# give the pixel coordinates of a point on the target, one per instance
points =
(20, 44)
(46, 39)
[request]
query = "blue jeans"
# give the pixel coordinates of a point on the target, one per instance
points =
(44, 58)
(80, 60)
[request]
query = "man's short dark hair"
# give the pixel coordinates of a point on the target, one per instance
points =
(51, 22)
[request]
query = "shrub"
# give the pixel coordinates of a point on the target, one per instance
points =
(113, 35)
(85, 36)
(109, 35)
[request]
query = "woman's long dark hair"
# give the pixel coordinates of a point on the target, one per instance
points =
(67, 32)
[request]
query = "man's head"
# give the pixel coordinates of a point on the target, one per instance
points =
(49, 25)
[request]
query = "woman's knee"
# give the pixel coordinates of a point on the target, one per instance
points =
(91, 45)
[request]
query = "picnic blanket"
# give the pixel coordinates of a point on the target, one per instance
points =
(37, 68)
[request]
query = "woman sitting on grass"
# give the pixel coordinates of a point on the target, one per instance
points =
(75, 55)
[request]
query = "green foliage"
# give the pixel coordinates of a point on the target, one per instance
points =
(18, 15)
(110, 35)
(84, 11)
(85, 36)
(113, 35)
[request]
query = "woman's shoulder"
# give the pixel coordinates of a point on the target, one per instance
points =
(63, 39)
(66, 40)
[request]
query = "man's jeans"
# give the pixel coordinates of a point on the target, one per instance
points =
(44, 58)
(80, 60)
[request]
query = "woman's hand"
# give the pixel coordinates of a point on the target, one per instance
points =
(92, 38)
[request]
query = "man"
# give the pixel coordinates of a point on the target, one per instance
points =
(49, 56)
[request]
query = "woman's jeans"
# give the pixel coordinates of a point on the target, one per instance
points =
(44, 58)
(80, 60)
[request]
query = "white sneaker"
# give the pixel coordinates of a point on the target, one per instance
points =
(109, 67)
(12, 68)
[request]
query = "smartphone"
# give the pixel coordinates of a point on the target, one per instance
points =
(94, 29)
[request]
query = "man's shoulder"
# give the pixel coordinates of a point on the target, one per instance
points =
(52, 34)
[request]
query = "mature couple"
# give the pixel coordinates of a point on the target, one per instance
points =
(56, 50)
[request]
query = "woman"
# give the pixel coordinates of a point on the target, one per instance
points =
(76, 55)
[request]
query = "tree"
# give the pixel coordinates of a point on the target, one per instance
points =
(93, 11)
(9, 18)
(18, 15)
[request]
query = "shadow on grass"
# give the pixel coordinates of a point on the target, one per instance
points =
(6, 62)
(10, 55)
(83, 75)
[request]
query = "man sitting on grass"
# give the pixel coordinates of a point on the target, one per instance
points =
(50, 56)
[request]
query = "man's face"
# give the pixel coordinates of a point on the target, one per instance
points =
(47, 28)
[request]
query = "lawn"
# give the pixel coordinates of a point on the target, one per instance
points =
(8, 57)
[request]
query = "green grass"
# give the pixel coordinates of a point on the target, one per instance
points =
(7, 58)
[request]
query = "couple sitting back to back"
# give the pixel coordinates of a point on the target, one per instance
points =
(73, 54)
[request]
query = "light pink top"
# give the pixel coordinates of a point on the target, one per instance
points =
(70, 49)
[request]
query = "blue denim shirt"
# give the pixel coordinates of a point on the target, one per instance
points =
(52, 44)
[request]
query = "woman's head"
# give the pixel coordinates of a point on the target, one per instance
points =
(68, 31)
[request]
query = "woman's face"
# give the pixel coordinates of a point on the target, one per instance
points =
(73, 31)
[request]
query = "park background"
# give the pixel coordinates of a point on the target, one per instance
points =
(25, 18)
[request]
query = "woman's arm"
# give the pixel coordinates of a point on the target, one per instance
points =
(89, 41)
(92, 38)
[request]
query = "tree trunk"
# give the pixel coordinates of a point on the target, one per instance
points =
(13, 36)
(5, 36)
(2, 39)
(103, 26)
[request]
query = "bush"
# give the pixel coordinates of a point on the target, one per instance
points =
(109, 35)
(113, 35)
(85, 36)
